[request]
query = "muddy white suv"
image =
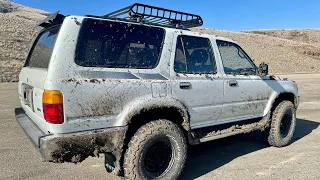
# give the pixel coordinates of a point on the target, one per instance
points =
(139, 87)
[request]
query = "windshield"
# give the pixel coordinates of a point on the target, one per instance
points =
(41, 51)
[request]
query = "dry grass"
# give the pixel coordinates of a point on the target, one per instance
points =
(309, 39)
(309, 36)
(286, 51)
(283, 55)
(17, 29)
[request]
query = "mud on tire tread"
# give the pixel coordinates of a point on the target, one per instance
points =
(143, 134)
(274, 138)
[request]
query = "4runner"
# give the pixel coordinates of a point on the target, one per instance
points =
(139, 87)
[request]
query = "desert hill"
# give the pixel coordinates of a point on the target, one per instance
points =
(286, 51)
(17, 29)
(284, 55)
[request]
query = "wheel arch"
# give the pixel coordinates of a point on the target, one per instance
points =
(161, 107)
(277, 98)
(146, 110)
(173, 111)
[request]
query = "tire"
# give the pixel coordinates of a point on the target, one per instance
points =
(283, 124)
(158, 150)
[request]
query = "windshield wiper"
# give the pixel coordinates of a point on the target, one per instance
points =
(246, 71)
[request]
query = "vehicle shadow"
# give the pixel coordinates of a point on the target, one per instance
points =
(209, 156)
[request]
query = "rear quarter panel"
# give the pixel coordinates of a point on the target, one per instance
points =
(94, 98)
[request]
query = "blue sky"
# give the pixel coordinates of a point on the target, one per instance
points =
(234, 15)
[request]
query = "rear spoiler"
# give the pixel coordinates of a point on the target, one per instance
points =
(52, 19)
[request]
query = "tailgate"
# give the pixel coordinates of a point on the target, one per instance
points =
(30, 92)
(33, 75)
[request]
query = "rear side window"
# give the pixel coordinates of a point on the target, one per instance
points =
(118, 45)
(41, 51)
(194, 55)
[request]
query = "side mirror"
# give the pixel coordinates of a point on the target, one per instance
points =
(263, 69)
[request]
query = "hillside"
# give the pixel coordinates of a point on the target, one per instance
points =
(286, 51)
(17, 28)
(283, 55)
(309, 36)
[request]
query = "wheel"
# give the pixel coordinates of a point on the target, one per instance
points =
(158, 150)
(283, 123)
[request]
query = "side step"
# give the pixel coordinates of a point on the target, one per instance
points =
(233, 129)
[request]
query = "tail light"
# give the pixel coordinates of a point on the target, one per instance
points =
(52, 102)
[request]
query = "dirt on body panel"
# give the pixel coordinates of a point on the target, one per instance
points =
(108, 98)
(76, 148)
(261, 125)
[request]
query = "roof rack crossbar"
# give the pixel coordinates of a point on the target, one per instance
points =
(150, 18)
(160, 21)
(164, 23)
(153, 14)
(156, 20)
(118, 12)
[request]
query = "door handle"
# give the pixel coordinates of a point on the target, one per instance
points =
(233, 82)
(185, 85)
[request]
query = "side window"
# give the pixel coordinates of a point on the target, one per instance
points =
(118, 45)
(194, 55)
(234, 59)
(40, 54)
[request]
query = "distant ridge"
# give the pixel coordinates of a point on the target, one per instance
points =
(286, 51)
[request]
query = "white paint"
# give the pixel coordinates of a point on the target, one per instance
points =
(109, 103)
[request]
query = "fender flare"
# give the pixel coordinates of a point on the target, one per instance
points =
(138, 106)
(274, 96)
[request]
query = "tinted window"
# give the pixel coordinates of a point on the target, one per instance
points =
(42, 49)
(194, 55)
(234, 59)
(118, 45)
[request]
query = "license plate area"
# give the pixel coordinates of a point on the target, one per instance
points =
(27, 92)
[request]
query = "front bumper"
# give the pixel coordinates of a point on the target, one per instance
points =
(72, 147)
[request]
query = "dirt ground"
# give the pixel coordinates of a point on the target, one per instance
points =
(238, 157)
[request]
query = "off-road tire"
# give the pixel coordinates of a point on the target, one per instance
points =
(284, 110)
(145, 137)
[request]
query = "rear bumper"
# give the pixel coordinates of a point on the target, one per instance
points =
(33, 132)
(72, 147)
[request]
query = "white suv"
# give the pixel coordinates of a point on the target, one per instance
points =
(141, 88)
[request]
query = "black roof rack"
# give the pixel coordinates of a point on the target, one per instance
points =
(156, 15)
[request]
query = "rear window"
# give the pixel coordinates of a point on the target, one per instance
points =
(41, 51)
(118, 45)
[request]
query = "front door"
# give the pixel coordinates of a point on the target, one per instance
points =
(245, 95)
(195, 79)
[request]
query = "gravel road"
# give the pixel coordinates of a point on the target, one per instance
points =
(238, 157)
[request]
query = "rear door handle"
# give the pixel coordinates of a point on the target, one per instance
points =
(185, 85)
(233, 82)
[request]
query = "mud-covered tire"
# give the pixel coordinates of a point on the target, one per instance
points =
(283, 123)
(143, 144)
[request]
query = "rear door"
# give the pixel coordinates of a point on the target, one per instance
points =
(195, 80)
(34, 73)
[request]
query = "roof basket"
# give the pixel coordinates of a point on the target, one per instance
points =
(156, 15)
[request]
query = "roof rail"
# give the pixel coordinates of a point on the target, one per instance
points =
(157, 16)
